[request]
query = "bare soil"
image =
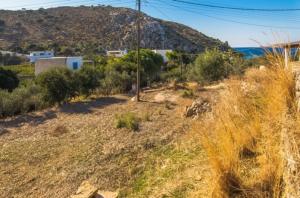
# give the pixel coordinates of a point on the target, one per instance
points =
(50, 153)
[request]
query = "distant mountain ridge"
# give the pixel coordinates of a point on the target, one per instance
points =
(98, 28)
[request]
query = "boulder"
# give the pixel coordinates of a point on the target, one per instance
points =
(86, 190)
(197, 108)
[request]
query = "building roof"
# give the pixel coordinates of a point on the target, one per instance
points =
(295, 44)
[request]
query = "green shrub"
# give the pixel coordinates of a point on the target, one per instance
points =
(7, 59)
(214, 65)
(89, 79)
(188, 93)
(127, 120)
(8, 79)
(209, 66)
(58, 85)
(21, 100)
(116, 82)
(21, 70)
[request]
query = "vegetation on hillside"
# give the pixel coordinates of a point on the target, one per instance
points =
(92, 30)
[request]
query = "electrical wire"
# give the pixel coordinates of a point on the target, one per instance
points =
(238, 8)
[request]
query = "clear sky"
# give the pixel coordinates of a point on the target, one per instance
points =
(239, 28)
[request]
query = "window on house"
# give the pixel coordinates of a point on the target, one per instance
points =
(42, 54)
(75, 65)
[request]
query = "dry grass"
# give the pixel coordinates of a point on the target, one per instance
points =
(59, 130)
(243, 140)
(50, 153)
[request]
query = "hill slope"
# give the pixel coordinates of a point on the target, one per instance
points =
(98, 28)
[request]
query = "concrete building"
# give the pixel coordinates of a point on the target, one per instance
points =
(163, 53)
(44, 64)
(117, 53)
(34, 56)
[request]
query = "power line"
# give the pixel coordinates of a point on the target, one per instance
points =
(238, 8)
(279, 16)
(233, 21)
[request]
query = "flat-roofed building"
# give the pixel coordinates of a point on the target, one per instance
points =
(44, 64)
(117, 53)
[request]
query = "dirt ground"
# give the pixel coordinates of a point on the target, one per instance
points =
(50, 153)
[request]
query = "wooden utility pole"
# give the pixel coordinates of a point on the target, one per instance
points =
(138, 50)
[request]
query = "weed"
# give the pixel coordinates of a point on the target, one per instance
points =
(188, 93)
(127, 120)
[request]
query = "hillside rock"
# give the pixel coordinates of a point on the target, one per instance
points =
(98, 27)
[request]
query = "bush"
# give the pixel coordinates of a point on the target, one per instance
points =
(21, 70)
(119, 76)
(188, 93)
(21, 100)
(127, 120)
(8, 59)
(89, 79)
(58, 85)
(115, 82)
(8, 80)
(214, 65)
(209, 66)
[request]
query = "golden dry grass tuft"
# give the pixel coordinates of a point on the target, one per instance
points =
(243, 140)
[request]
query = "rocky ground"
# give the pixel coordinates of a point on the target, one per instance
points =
(50, 153)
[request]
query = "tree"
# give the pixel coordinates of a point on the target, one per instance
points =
(8, 79)
(151, 63)
(209, 66)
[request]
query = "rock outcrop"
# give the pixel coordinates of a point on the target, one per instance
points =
(198, 107)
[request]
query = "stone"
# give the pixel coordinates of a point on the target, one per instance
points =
(107, 194)
(86, 190)
(197, 108)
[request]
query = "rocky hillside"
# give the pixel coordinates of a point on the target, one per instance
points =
(98, 28)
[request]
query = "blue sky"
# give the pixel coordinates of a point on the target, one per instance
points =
(239, 28)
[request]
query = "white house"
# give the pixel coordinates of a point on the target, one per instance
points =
(163, 53)
(117, 53)
(44, 64)
(34, 56)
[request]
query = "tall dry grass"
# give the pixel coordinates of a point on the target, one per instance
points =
(243, 140)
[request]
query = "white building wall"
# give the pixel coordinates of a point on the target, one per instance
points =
(74, 63)
(117, 53)
(163, 53)
(34, 56)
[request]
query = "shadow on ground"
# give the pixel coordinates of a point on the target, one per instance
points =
(87, 107)
(32, 119)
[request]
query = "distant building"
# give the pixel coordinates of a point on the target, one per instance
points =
(44, 64)
(117, 53)
(12, 53)
(34, 56)
(163, 53)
